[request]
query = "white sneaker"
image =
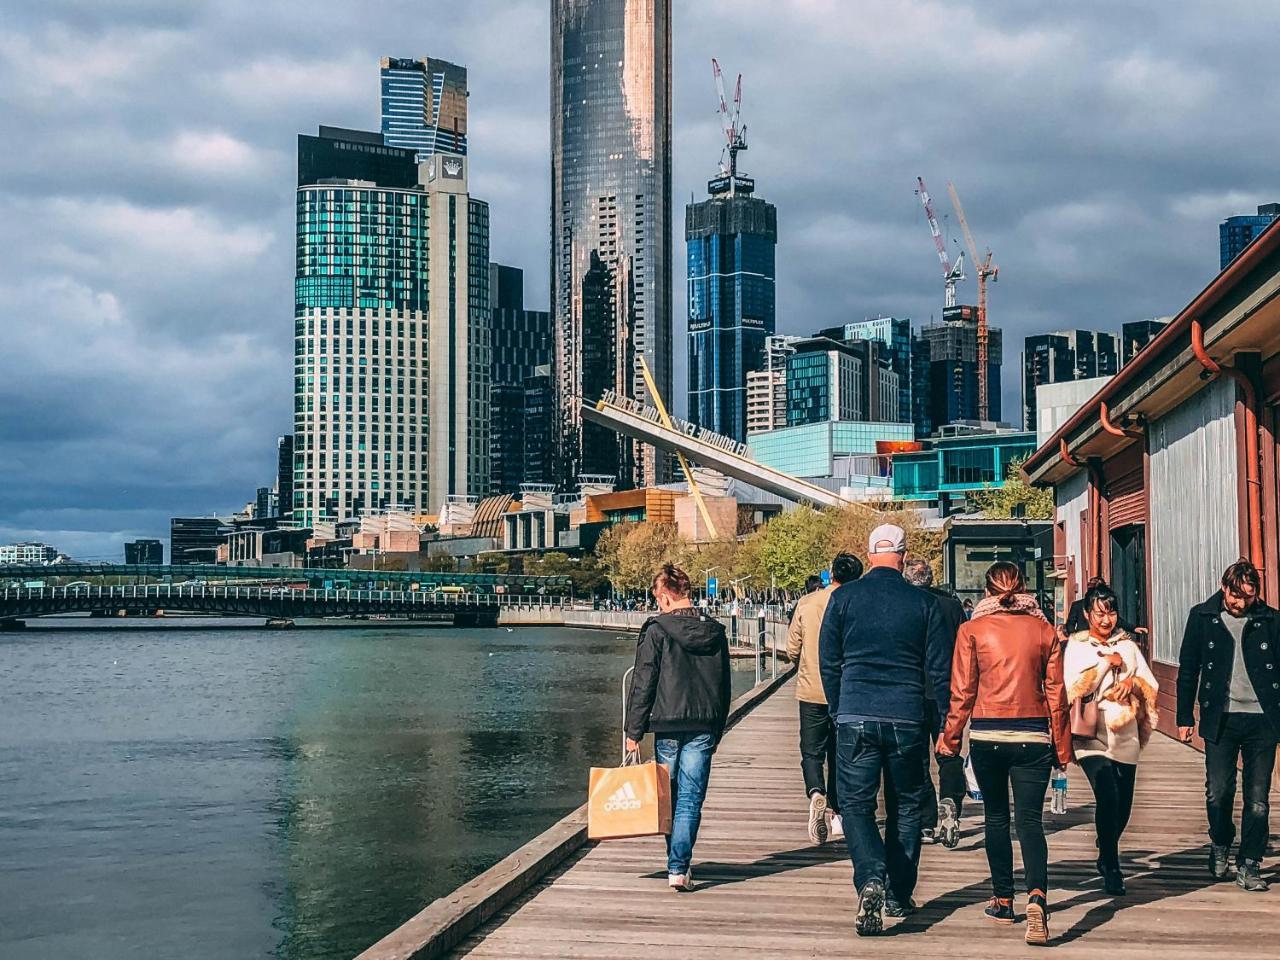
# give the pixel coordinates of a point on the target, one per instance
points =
(681, 882)
(817, 818)
(836, 829)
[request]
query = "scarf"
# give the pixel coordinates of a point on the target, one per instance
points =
(1022, 603)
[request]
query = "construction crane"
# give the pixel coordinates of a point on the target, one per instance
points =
(735, 136)
(951, 273)
(986, 269)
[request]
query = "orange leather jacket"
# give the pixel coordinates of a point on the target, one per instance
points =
(1008, 665)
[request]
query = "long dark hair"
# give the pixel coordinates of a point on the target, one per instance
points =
(1005, 580)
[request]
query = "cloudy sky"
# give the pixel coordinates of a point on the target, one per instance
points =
(147, 170)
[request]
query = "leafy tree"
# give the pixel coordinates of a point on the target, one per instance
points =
(1015, 498)
(795, 546)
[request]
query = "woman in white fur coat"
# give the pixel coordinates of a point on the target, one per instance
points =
(1106, 665)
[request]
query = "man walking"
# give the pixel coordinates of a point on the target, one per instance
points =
(680, 691)
(1230, 666)
(817, 729)
(940, 817)
(882, 641)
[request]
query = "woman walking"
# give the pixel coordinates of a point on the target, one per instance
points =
(1006, 680)
(1113, 711)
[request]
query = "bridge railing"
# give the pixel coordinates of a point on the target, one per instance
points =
(284, 595)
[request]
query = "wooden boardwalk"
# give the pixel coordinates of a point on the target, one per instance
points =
(765, 892)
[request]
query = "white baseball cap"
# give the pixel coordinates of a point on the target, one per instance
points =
(887, 538)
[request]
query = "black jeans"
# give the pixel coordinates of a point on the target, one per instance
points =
(1112, 783)
(867, 750)
(1025, 766)
(818, 752)
(951, 785)
(1249, 738)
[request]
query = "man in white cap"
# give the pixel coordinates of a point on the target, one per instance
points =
(882, 640)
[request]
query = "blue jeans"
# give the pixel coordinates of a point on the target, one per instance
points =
(687, 757)
(866, 750)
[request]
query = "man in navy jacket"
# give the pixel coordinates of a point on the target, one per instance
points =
(882, 640)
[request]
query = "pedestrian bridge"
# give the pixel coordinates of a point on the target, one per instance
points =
(272, 602)
(765, 891)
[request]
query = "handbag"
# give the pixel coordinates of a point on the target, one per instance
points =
(633, 800)
(1084, 717)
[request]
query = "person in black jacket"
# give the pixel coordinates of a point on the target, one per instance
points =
(1230, 666)
(680, 692)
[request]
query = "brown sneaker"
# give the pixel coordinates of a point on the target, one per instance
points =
(1037, 921)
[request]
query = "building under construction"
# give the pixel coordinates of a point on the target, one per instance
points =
(954, 390)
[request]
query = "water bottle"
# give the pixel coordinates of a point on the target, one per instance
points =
(1058, 802)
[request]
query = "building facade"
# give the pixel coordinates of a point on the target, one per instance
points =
(1062, 356)
(731, 238)
(144, 551)
(824, 382)
(28, 552)
(196, 539)
(895, 335)
(767, 387)
(953, 367)
(611, 223)
(1236, 233)
(1137, 334)
(520, 343)
(372, 430)
(424, 106)
(284, 476)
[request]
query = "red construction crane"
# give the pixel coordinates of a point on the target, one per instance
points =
(735, 136)
(951, 273)
(985, 269)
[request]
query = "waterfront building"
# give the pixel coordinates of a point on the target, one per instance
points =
(1236, 233)
(849, 452)
(284, 476)
(197, 539)
(767, 387)
(731, 239)
(1061, 356)
(29, 552)
(953, 367)
(1137, 334)
(895, 335)
(391, 373)
(611, 223)
(947, 468)
(144, 551)
(520, 343)
(424, 106)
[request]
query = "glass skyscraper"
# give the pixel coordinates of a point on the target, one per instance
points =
(953, 367)
(521, 344)
(895, 334)
(424, 106)
(1236, 233)
(610, 223)
(732, 238)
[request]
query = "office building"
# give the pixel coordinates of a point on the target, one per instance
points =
(391, 373)
(953, 367)
(831, 380)
(767, 387)
(611, 223)
(29, 552)
(1137, 334)
(1236, 233)
(950, 467)
(880, 386)
(424, 106)
(1062, 356)
(921, 385)
(895, 334)
(520, 343)
(731, 241)
(539, 426)
(284, 476)
(196, 539)
(144, 551)
(838, 449)
(263, 505)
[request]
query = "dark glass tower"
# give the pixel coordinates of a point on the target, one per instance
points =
(610, 223)
(1062, 357)
(424, 106)
(520, 344)
(1236, 233)
(953, 367)
(732, 238)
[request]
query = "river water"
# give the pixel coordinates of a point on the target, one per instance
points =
(211, 790)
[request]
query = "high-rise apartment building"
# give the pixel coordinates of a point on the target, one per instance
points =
(895, 334)
(539, 426)
(520, 343)
(284, 476)
(832, 380)
(1063, 356)
(611, 223)
(767, 387)
(921, 386)
(1236, 233)
(391, 372)
(731, 240)
(953, 367)
(1137, 334)
(424, 106)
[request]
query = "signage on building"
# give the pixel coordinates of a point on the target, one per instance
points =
(713, 587)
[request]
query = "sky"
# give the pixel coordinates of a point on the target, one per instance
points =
(148, 168)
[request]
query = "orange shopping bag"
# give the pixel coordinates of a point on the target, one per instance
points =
(633, 800)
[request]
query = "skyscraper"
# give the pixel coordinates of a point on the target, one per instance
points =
(895, 334)
(731, 243)
(521, 342)
(284, 476)
(1063, 356)
(767, 388)
(1236, 233)
(829, 379)
(1137, 334)
(953, 367)
(424, 106)
(611, 222)
(371, 428)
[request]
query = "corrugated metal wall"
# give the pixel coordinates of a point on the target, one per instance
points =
(1073, 499)
(1194, 531)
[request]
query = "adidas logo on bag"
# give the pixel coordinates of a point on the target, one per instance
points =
(624, 798)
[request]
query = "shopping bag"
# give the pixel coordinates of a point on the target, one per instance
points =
(633, 800)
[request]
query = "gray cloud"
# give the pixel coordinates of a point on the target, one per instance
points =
(147, 181)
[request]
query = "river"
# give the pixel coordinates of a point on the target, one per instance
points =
(207, 789)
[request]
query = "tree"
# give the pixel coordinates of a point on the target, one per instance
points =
(795, 546)
(1015, 498)
(631, 553)
(852, 526)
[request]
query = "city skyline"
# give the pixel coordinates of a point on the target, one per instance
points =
(157, 361)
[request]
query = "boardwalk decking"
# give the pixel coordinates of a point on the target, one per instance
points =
(765, 892)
